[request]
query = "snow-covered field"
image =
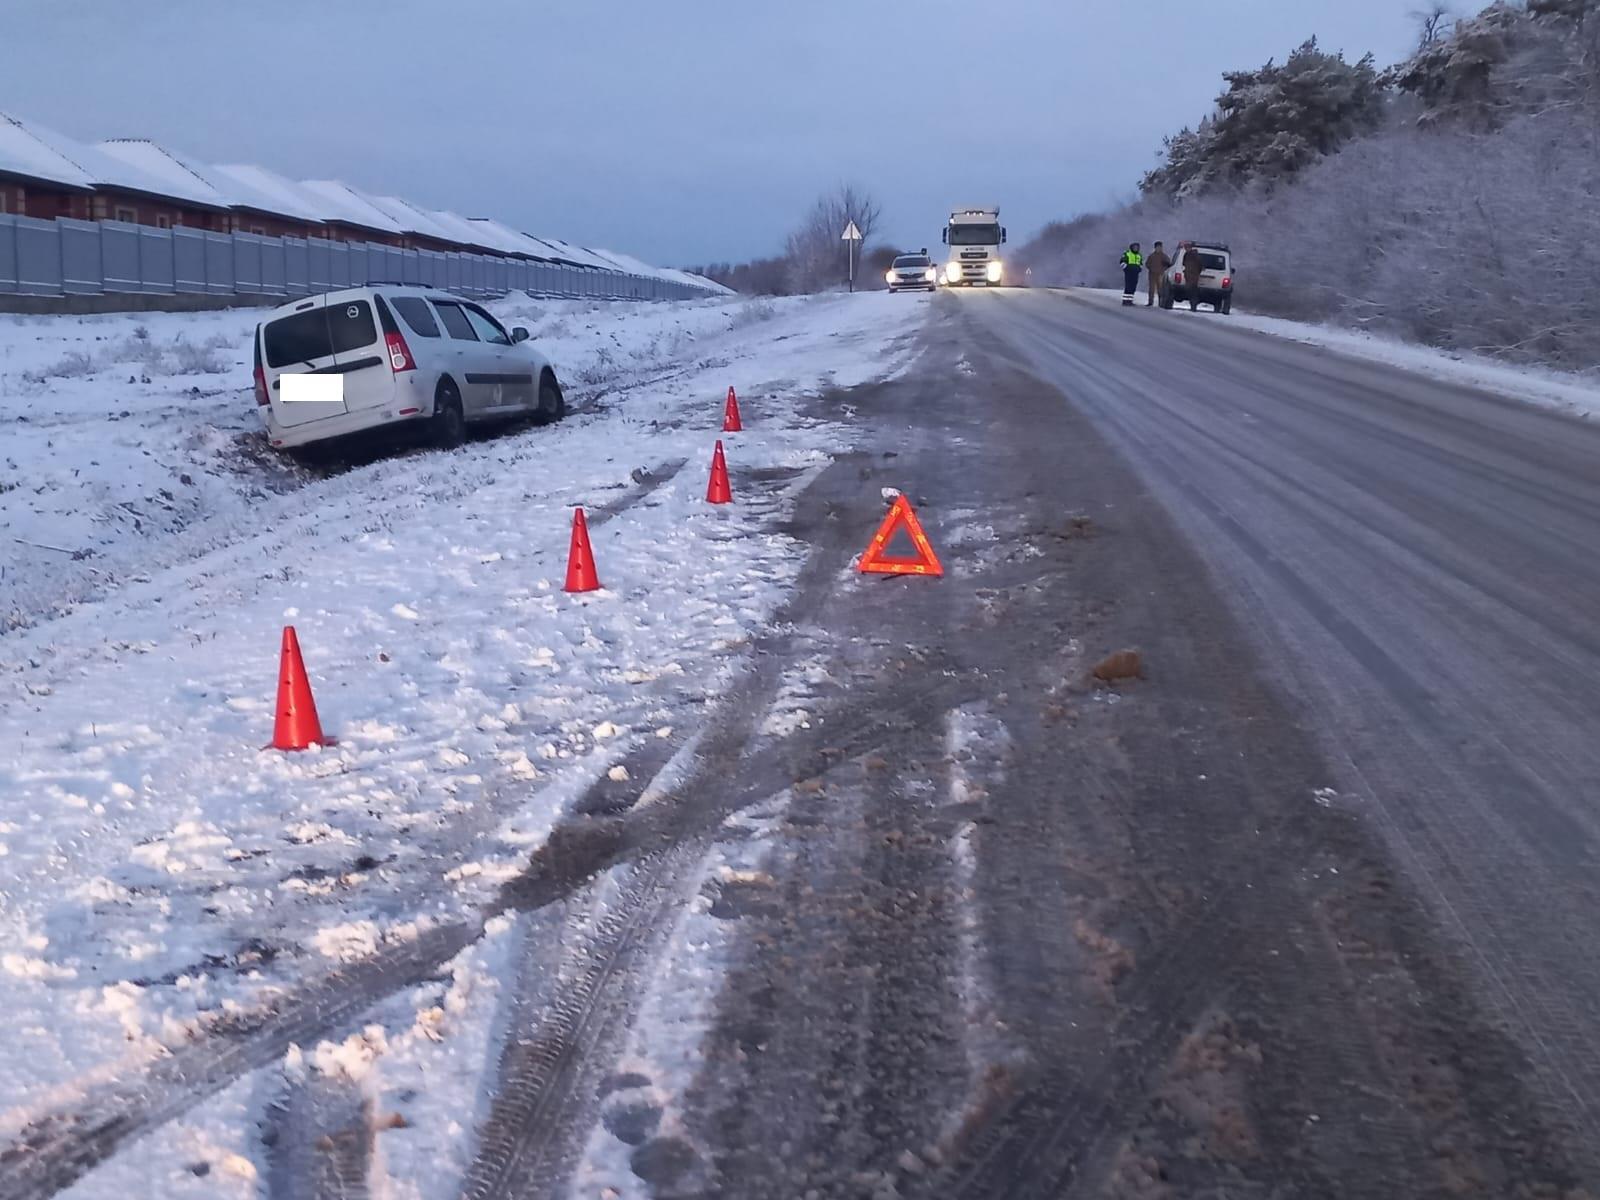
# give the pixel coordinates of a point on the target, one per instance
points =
(1552, 389)
(158, 870)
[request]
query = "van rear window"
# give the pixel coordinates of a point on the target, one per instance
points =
(320, 333)
(1213, 262)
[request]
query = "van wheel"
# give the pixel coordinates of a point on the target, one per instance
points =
(1227, 307)
(552, 404)
(447, 428)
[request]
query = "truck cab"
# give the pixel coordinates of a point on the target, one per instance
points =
(974, 237)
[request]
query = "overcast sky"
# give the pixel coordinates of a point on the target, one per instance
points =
(677, 130)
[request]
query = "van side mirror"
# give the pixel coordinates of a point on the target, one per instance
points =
(519, 333)
(944, 235)
(1002, 233)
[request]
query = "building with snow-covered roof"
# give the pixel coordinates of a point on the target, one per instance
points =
(344, 207)
(579, 255)
(418, 226)
(264, 191)
(248, 211)
(47, 174)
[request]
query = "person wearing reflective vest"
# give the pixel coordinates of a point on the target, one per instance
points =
(1132, 264)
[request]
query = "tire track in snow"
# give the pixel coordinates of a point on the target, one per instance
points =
(57, 1147)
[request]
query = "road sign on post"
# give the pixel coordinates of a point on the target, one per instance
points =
(851, 237)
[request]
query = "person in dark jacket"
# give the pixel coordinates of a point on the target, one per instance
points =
(1132, 264)
(1155, 268)
(1192, 266)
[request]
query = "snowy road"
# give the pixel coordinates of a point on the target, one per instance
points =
(754, 876)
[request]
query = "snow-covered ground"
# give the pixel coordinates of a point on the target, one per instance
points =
(1533, 385)
(157, 868)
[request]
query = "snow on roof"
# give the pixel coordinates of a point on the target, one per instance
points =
(632, 265)
(509, 240)
(579, 255)
(36, 152)
(349, 206)
(268, 191)
(184, 179)
(411, 218)
(460, 229)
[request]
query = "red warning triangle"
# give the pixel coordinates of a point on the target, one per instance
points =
(876, 562)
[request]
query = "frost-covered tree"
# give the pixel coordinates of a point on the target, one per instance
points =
(1272, 123)
(1509, 60)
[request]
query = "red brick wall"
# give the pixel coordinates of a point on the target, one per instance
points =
(244, 222)
(46, 203)
(143, 210)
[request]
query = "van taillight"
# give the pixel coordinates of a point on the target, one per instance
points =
(1177, 277)
(1227, 281)
(399, 353)
(262, 399)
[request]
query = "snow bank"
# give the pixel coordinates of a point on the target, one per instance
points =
(156, 867)
(1533, 385)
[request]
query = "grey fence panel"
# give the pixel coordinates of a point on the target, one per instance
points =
(272, 263)
(119, 257)
(247, 263)
(296, 266)
(38, 256)
(339, 265)
(357, 255)
(90, 257)
(219, 264)
(319, 264)
(80, 257)
(8, 253)
(189, 259)
(158, 261)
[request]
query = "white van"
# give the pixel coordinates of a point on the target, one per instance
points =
(400, 355)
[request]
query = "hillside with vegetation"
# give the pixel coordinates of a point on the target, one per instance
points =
(1451, 199)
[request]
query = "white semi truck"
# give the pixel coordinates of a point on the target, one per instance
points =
(974, 236)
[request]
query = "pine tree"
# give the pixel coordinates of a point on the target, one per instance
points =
(1273, 122)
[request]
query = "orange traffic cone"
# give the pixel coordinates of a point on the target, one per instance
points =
(581, 575)
(297, 726)
(718, 491)
(730, 415)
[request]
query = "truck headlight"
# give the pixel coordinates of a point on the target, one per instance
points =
(994, 271)
(952, 272)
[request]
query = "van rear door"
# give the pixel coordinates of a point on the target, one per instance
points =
(298, 343)
(363, 358)
(327, 338)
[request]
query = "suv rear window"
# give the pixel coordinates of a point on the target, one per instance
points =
(320, 333)
(418, 316)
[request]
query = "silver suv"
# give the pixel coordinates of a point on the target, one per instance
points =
(381, 356)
